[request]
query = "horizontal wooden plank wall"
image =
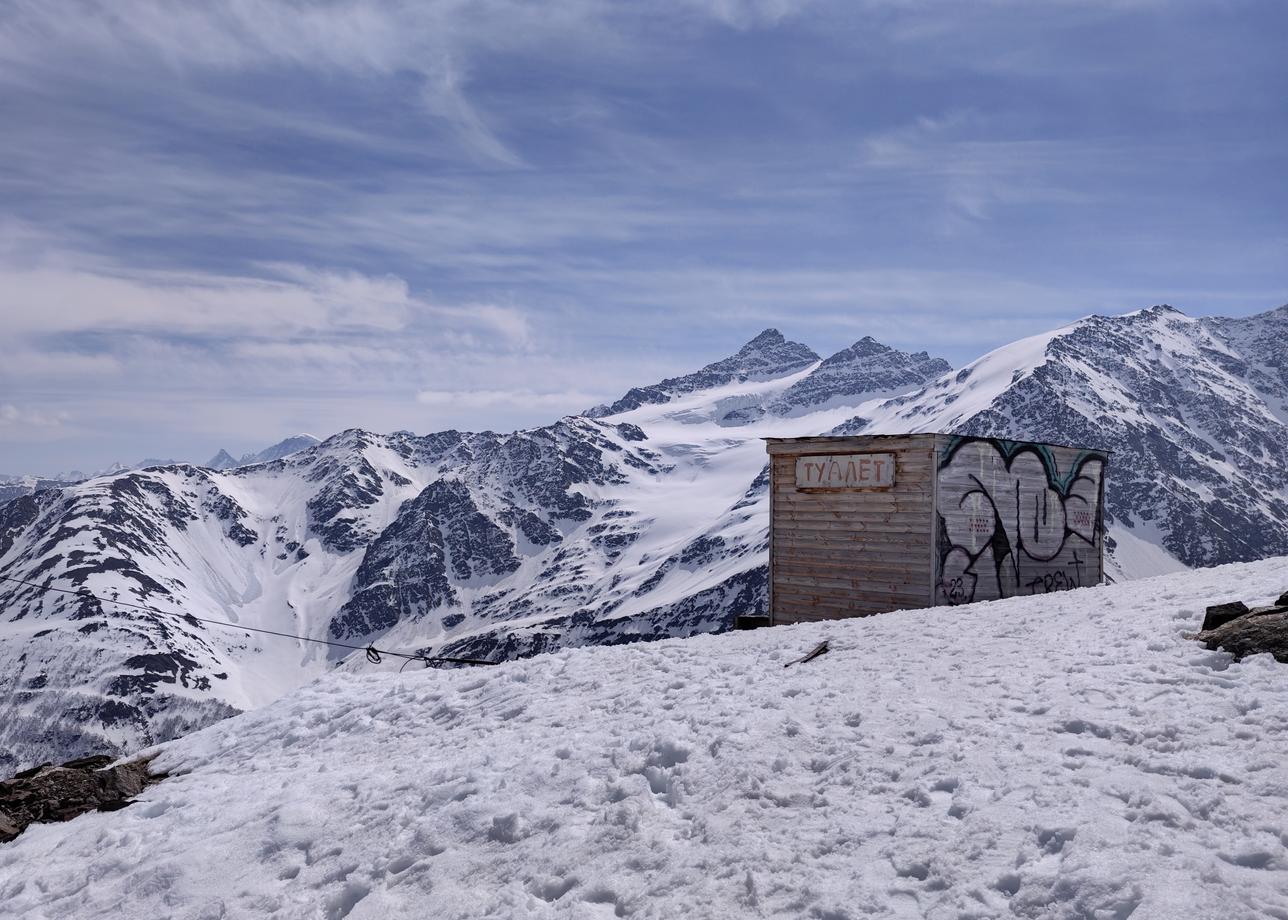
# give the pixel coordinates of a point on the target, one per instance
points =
(843, 552)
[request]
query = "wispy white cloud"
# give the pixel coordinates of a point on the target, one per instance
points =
(969, 169)
(745, 14)
(22, 424)
(54, 300)
(434, 40)
(233, 220)
(54, 297)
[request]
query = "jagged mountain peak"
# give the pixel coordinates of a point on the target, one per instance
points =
(767, 356)
(868, 347)
(864, 346)
(865, 370)
(766, 339)
(769, 336)
(348, 436)
(221, 461)
(283, 448)
(774, 348)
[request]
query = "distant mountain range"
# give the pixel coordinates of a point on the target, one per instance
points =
(284, 448)
(643, 518)
(11, 486)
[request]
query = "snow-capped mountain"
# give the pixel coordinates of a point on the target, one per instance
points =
(865, 370)
(284, 448)
(768, 356)
(646, 519)
(221, 461)
(1193, 411)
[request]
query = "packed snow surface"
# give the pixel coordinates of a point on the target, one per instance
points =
(1066, 756)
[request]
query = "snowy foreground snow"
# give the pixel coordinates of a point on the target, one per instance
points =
(1069, 756)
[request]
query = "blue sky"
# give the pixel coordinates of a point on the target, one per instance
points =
(224, 223)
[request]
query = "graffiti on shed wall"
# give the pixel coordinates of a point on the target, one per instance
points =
(1017, 518)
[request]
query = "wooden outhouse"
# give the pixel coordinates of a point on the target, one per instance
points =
(867, 524)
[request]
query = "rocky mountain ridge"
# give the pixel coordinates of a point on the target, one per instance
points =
(646, 520)
(1190, 409)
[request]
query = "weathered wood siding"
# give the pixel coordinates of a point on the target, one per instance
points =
(1016, 517)
(842, 552)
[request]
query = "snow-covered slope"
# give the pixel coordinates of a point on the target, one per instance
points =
(586, 531)
(647, 521)
(1062, 757)
(300, 546)
(1192, 410)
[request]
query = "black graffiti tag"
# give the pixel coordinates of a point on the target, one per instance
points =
(1011, 522)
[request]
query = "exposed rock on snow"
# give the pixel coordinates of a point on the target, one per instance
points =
(1243, 631)
(49, 793)
(1220, 614)
(1062, 757)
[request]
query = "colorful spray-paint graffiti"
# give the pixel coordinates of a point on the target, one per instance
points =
(1017, 518)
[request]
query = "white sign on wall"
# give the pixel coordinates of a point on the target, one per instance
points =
(845, 471)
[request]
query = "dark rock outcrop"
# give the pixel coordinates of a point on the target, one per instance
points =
(1220, 614)
(1255, 631)
(47, 793)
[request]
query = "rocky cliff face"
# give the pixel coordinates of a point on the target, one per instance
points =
(648, 520)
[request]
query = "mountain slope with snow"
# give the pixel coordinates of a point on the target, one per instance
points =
(646, 522)
(1191, 409)
(1060, 757)
(291, 546)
